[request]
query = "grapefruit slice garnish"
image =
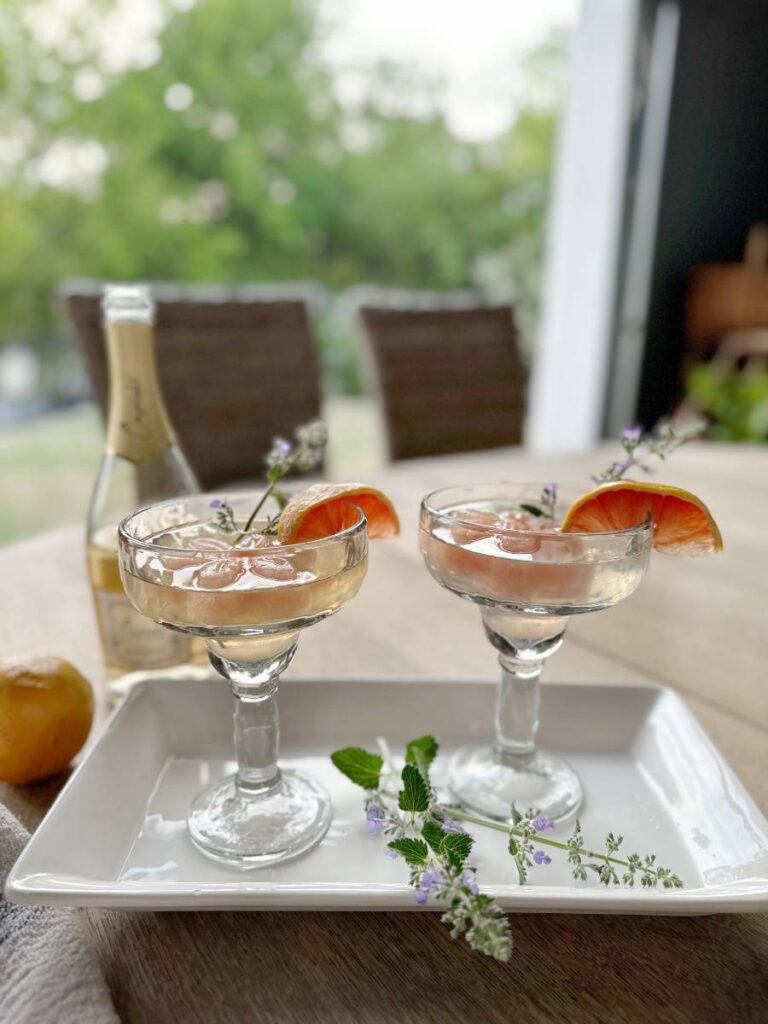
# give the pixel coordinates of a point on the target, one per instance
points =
(325, 509)
(683, 525)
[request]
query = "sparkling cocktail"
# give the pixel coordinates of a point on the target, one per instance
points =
(528, 579)
(247, 597)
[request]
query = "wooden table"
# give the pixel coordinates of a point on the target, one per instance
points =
(697, 625)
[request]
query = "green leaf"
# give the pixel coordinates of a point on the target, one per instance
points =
(434, 835)
(359, 766)
(457, 847)
(533, 509)
(422, 753)
(413, 851)
(414, 796)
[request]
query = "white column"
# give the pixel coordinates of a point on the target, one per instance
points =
(624, 386)
(567, 400)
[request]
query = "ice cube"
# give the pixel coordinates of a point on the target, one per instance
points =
(219, 574)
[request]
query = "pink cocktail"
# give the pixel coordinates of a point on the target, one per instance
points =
(248, 597)
(528, 578)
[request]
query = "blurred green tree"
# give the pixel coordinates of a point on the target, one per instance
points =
(734, 401)
(218, 151)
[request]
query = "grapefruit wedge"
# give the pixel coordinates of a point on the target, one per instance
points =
(325, 509)
(683, 525)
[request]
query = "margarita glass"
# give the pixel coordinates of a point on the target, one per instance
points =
(248, 599)
(528, 579)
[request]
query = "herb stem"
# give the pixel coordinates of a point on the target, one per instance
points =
(283, 457)
(460, 815)
(253, 514)
(507, 829)
(386, 753)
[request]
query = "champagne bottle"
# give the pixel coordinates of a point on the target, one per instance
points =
(142, 463)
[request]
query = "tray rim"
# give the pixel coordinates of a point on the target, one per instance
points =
(748, 896)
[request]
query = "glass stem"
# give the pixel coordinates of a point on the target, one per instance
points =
(517, 709)
(257, 737)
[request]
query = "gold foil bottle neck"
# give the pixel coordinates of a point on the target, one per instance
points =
(138, 427)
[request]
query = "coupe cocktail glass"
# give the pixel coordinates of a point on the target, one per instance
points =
(527, 578)
(248, 603)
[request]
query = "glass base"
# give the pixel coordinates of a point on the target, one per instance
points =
(482, 783)
(231, 825)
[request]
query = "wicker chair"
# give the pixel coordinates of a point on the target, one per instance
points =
(450, 379)
(236, 368)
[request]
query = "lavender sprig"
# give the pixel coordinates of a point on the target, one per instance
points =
(303, 454)
(430, 838)
(520, 845)
(577, 852)
(545, 507)
(224, 515)
(639, 445)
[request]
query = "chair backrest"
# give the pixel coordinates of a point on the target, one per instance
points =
(236, 368)
(450, 379)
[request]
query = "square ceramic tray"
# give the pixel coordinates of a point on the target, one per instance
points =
(116, 835)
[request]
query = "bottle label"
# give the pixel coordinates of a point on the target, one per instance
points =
(131, 641)
(139, 428)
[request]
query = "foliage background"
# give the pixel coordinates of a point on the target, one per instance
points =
(734, 401)
(221, 153)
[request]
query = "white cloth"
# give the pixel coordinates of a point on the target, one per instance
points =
(48, 970)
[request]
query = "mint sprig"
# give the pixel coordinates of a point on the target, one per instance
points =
(414, 796)
(545, 509)
(421, 753)
(433, 833)
(359, 766)
(533, 510)
(429, 836)
(413, 851)
(457, 848)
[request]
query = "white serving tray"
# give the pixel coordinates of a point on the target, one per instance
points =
(116, 835)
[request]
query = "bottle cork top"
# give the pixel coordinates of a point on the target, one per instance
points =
(128, 302)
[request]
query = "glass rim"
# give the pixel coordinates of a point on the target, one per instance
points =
(276, 549)
(638, 529)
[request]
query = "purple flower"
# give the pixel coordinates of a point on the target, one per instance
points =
(450, 826)
(390, 853)
(376, 820)
(632, 435)
(542, 824)
(469, 880)
(431, 879)
(550, 491)
(541, 858)
(279, 455)
(216, 503)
